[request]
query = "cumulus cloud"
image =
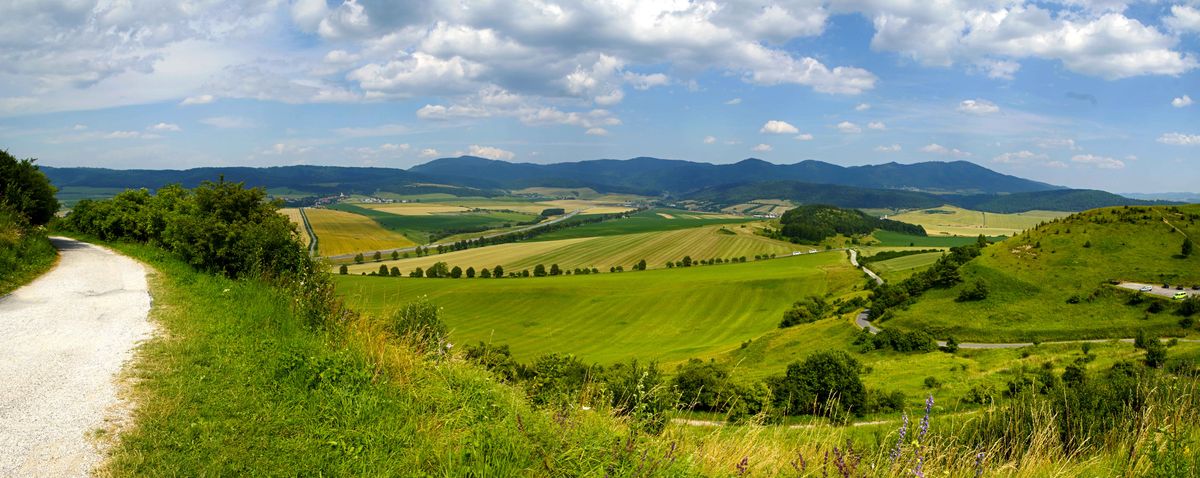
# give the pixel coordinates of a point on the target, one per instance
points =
(934, 148)
(761, 148)
(710, 139)
(172, 127)
(735, 101)
(1102, 162)
(876, 125)
(1182, 101)
(429, 153)
(1183, 18)
(1058, 143)
(197, 100)
(490, 152)
(129, 135)
(1019, 157)
(804, 137)
(862, 107)
(848, 127)
(596, 132)
(1180, 139)
(895, 148)
(978, 107)
(285, 149)
(778, 127)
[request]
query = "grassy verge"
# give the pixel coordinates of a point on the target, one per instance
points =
(235, 385)
(24, 254)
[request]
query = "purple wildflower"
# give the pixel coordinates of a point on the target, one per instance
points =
(902, 434)
(925, 419)
(979, 465)
(743, 466)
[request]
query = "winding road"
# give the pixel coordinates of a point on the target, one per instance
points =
(63, 341)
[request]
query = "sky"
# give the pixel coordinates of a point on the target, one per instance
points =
(1087, 94)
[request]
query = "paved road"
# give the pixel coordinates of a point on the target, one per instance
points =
(1157, 289)
(63, 340)
(388, 252)
(854, 262)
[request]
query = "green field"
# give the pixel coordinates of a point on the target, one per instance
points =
(423, 229)
(896, 239)
(650, 220)
(901, 267)
(956, 221)
(656, 248)
(1033, 277)
(69, 195)
(665, 315)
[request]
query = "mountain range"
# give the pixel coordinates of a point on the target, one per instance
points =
(918, 185)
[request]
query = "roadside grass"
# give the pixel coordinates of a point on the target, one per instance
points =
(422, 229)
(663, 315)
(344, 233)
(235, 385)
(1046, 285)
(604, 252)
(650, 220)
(25, 253)
(956, 221)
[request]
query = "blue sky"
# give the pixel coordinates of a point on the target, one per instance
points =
(1082, 94)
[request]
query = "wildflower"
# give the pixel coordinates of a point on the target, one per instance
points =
(925, 420)
(902, 432)
(449, 345)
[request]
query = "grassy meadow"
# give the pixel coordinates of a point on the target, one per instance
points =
(897, 239)
(956, 221)
(656, 248)
(342, 232)
(650, 220)
(898, 269)
(665, 315)
(1051, 282)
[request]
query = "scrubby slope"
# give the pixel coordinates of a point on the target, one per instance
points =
(1033, 277)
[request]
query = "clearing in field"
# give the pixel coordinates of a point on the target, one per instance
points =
(956, 221)
(341, 232)
(665, 315)
(656, 248)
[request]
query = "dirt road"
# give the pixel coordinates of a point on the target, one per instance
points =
(63, 341)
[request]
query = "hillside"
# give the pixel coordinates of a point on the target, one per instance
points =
(815, 223)
(1051, 283)
(955, 221)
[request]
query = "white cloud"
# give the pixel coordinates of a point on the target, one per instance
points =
(228, 122)
(596, 132)
(862, 107)
(876, 125)
(1058, 143)
(1183, 18)
(394, 147)
(1102, 162)
(1019, 157)
(418, 73)
(895, 148)
(848, 127)
(1182, 101)
(79, 127)
(778, 127)
(198, 100)
(935, 148)
(978, 107)
(165, 127)
(710, 139)
(429, 153)
(761, 148)
(735, 101)
(129, 135)
(284, 149)
(1056, 165)
(307, 14)
(1180, 139)
(804, 137)
(645, 82)
(490, 152)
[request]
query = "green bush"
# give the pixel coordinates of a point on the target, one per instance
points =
(420, 323)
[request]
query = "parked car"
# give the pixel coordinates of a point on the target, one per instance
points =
(1180, 295)
(1179, 288)
(1146, 288)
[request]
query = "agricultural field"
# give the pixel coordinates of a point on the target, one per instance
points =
(901, 267)
(761, 206)
(665, 315)
(1051, 283)
(70, 195)
(293, 214)
(956, 221)
(650, 220)
(607, 251)
(897, 239)
(422, 229)
(416, 208)
(340, 232)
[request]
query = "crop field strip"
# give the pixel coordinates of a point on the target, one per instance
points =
(650, 220)
(606, 251)
(901, 267)
(956, 221)
(293, 214)
(418, 228)
(342, 232)
(668, 315)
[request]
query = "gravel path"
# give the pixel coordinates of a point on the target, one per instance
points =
(63, 340)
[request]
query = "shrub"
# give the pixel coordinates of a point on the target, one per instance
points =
(420, 323)
(1190, 306)
(980, 395)
(932, 382)
(343, 270)
(828, 381)
(810, 309)
(974, 292)
(26, 190)
(701, 385)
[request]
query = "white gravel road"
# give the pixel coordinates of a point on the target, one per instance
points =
(63, 340)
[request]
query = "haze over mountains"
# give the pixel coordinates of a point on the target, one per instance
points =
(918, 185)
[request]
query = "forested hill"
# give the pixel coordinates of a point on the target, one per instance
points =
(814, 223)
(655, 176)
(846, 196)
